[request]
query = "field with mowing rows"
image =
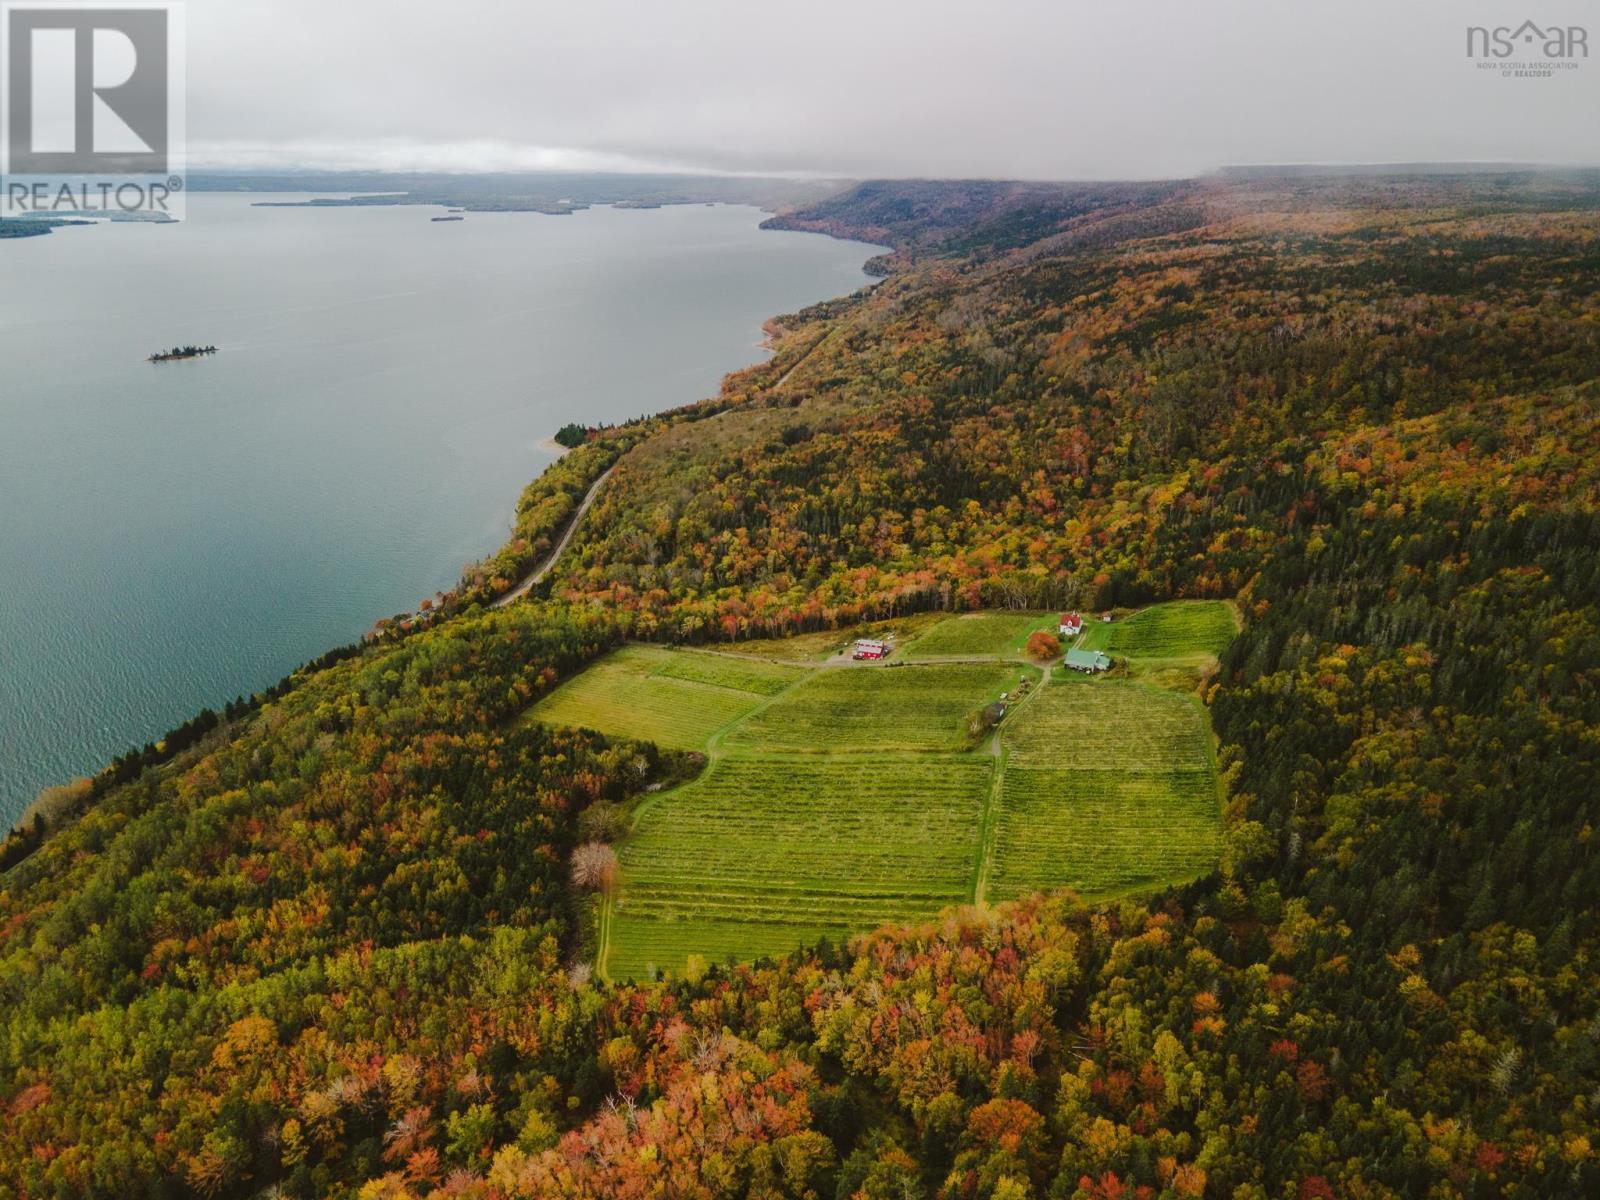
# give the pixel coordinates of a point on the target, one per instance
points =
(1102, 832)
(877, 708)
(760, 856)
(1108, 786)
(978, 634)
(675, 698)
(1110, 725)
(1181, 629)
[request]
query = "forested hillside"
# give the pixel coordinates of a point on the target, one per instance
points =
(334, 946)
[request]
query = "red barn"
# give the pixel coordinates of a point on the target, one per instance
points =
(870, 648)
(1071, 624)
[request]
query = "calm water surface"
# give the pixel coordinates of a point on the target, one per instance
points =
(175, 535)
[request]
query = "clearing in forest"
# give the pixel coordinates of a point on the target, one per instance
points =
(841, 796)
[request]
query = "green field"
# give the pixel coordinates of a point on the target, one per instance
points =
(840, 797)
(980, 634)
(760, 856)
(1183, 629)
(1102, 832)
(1108, 725)
(1109, 786)
(675, 698)
(877, 708)
(758, 678)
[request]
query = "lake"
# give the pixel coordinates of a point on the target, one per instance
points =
(173, 535)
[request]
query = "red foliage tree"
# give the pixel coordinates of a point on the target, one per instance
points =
(1044, 646)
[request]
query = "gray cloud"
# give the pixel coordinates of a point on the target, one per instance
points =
(1017, 88)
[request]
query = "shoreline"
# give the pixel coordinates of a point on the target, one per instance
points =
(28, 804)
(540, 570)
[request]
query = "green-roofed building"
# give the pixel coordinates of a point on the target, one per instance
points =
(1090, 662)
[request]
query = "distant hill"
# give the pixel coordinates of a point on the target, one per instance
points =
(1334, 170)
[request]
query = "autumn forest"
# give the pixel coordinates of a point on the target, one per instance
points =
(330, 941)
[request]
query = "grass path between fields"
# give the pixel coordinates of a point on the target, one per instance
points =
(991, 804)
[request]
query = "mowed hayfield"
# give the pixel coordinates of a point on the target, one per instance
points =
(982, 634)
(675, 698)
(1109, 786)
(1182, 629)
(763, 855)
(893, 708)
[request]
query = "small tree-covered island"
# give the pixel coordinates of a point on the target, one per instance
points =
(1108, 711)
(179, 353)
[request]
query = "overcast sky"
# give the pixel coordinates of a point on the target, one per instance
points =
(1015, 88)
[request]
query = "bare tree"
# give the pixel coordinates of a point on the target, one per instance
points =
(594, 867)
